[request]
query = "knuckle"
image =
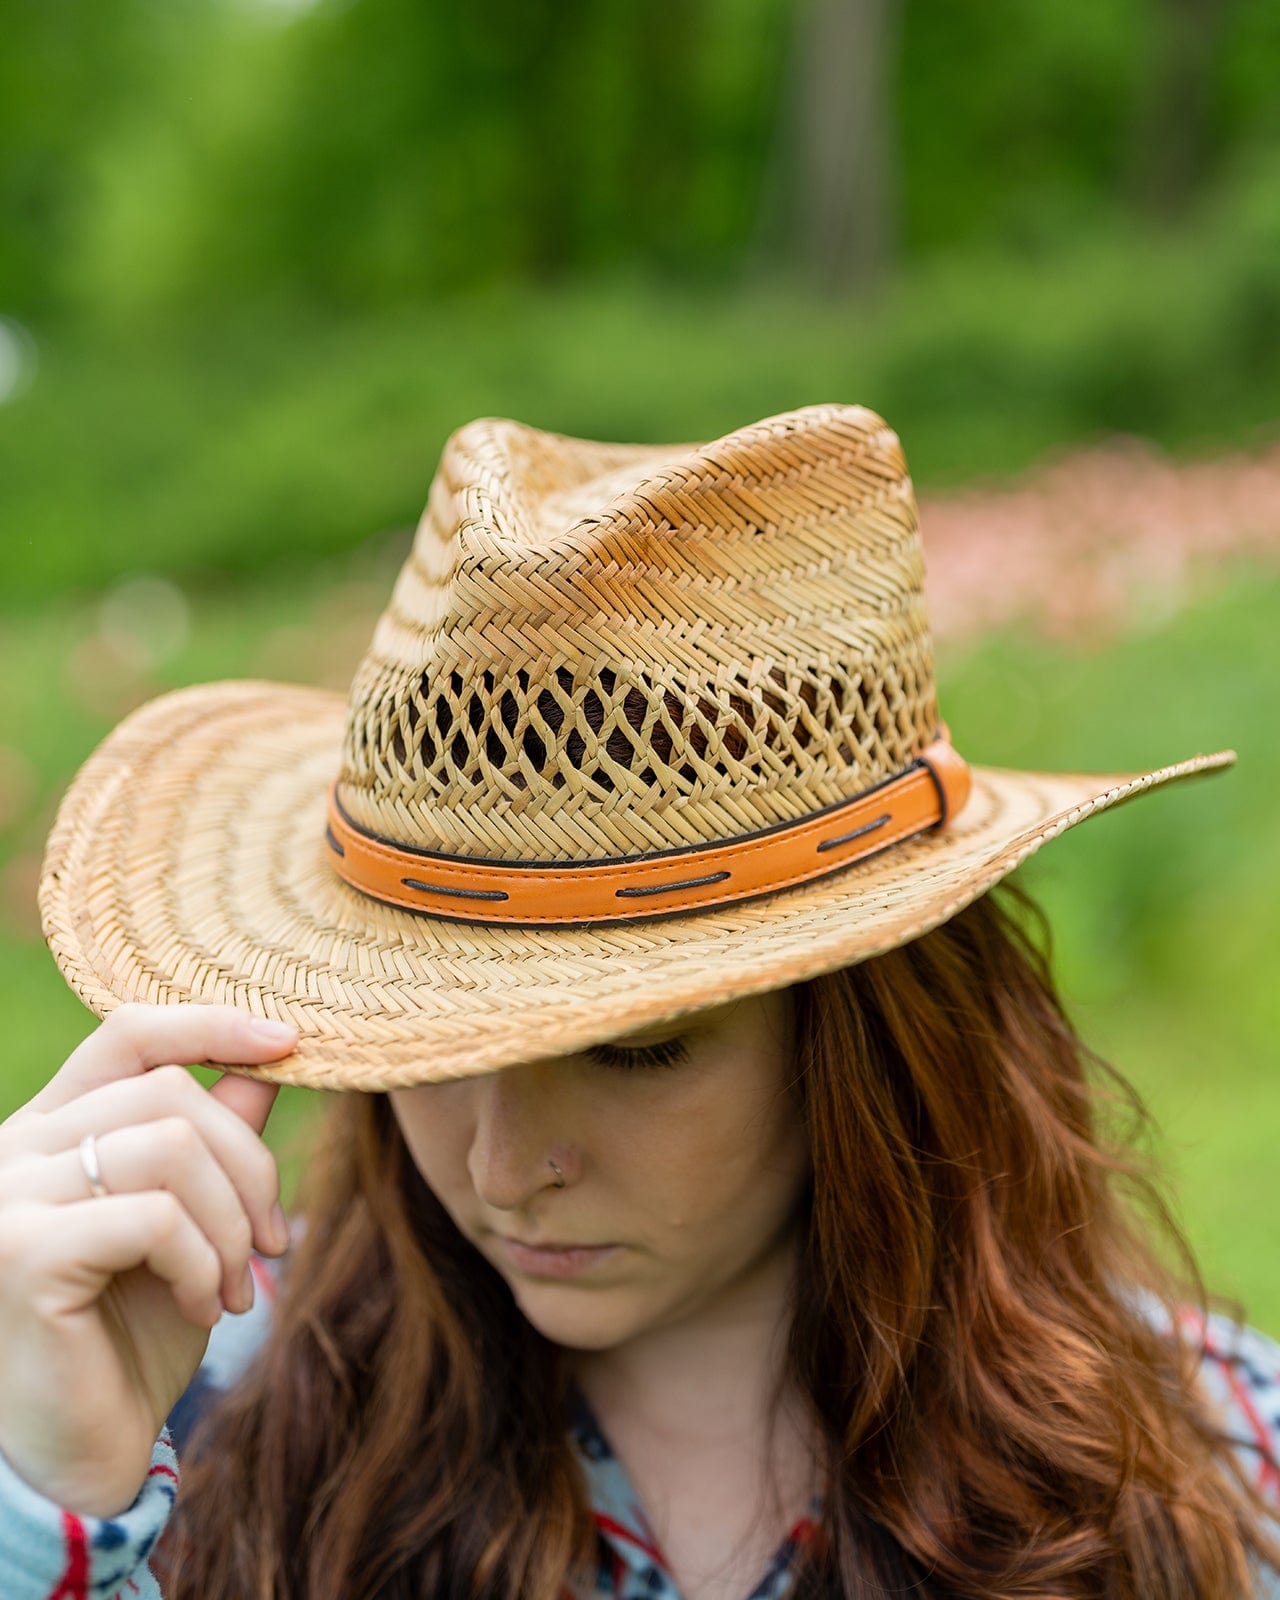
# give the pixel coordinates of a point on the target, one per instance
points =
(168, 1216)
(127, 1019)
(180, 1138)
(174, 1082)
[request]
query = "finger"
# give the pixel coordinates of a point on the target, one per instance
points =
(249, 1098)
(169, 1154)
(168, 1092)
(136, 1038)
(72, 1252)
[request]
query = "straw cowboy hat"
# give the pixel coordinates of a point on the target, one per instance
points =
(642, 729)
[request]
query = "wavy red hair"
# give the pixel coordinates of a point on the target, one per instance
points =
(985, 1329)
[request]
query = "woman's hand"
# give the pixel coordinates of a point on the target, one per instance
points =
(106, 1302)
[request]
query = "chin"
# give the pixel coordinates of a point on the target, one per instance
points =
(577, 1320)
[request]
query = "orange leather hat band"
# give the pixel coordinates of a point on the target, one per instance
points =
(926, 795)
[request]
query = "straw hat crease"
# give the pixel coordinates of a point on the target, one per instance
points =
(595, 653)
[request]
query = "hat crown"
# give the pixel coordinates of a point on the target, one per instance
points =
(599, 650)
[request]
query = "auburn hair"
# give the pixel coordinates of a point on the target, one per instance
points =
(990, 1327)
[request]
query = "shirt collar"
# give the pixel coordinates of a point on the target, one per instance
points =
(629, 1542)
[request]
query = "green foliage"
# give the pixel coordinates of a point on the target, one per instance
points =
(271, 256)
(1164, 911)
(361, 154)
(364, 154)
(221, 445)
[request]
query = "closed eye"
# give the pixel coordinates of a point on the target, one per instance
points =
(670, 1053)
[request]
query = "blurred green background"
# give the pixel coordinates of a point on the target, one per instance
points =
(259, 257)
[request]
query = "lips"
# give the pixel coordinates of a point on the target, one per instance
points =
(553, 1260)
(550, 1246)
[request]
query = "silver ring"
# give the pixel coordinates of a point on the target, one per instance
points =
(559, 1175)
(89, 1161)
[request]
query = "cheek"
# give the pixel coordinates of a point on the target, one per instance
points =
(436, 1121)
(706, 1164)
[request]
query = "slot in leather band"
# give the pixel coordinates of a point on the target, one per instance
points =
(927, 794)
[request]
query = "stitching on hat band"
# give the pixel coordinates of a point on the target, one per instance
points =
(926, 795)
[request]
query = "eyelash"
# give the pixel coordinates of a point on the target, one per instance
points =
(670, 1053)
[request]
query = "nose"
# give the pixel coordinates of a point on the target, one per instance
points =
(517, 1132)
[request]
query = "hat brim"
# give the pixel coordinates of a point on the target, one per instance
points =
(188, 863)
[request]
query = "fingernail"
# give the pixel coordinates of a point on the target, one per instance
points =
(246, 1292)
(273, 1032)
(280, 1225)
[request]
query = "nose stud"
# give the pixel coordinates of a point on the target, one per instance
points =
(559, 1175)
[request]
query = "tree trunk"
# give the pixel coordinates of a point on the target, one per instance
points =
(1173, 113)
(830, 201)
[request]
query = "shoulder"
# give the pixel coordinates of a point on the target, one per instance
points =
(1240, 1375)
(1239, 1379)
(234, 1343)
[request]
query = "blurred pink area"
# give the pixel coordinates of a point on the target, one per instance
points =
(1097, 543)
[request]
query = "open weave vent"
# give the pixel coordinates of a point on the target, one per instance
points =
(627, 648)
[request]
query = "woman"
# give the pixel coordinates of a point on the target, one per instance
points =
(728, 1210)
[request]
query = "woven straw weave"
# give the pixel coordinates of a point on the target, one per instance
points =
(594, 650)
(711, 640)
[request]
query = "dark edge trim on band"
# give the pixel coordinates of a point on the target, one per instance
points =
(941, 792)
(645, 855)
